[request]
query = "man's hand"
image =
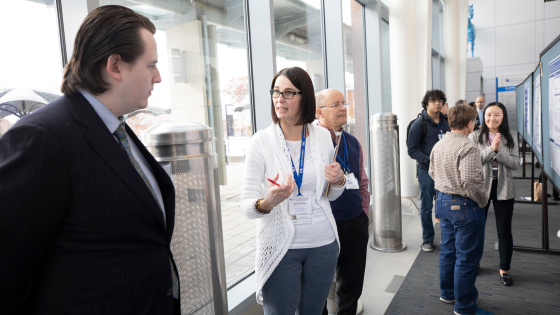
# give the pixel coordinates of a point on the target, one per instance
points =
(334, 174)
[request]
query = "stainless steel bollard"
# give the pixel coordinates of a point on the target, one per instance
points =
(386, 185)
(197, 243)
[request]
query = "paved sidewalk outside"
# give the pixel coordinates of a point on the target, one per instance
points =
(239, 232)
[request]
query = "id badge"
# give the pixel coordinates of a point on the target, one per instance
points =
(441, 136)
(300, 210)
(352, 182)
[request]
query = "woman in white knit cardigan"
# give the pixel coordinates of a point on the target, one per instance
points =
(297, 240)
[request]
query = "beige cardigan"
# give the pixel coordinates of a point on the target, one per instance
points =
(508, 161)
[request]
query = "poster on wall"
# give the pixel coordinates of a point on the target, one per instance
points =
(554, 113)
(537, 130)
(527, 108)
(505, 94)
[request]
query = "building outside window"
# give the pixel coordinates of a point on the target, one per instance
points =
(30, 58)
(352, 19)
(299, 39)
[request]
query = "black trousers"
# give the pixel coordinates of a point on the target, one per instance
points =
(504, 213)
(353, 235)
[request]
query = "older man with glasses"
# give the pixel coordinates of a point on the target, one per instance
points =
(424, 133)
(351, 208)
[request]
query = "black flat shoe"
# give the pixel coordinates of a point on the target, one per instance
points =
(505, 279)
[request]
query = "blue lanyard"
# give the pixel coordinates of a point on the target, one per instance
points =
(299, 178)
(439, 129)
(344, 162)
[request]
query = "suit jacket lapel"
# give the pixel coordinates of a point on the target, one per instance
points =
(109, 150)
(164, 182)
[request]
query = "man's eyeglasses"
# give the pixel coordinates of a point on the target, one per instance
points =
(287, 94)
(436, 101)
(336, 106)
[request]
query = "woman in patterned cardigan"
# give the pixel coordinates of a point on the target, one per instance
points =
(297, 240)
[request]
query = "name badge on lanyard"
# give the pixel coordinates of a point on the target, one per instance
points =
(351, 180)
(441, 134)
(300, 206)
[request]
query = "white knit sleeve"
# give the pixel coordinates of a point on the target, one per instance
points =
(253, 179)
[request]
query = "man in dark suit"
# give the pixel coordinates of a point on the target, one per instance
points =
(86, 213)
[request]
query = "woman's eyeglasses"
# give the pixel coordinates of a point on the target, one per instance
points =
(286, 94)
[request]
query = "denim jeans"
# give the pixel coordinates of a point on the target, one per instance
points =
(427, 193)
(462, 232)
(301, 282)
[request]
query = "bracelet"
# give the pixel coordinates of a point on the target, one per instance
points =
(258, 207)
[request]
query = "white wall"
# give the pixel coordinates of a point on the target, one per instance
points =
(510, 34)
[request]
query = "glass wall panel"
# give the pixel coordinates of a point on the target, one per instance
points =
(30, 58)
(352, 18)
(202, 58)
(298, 37)
(386, 54)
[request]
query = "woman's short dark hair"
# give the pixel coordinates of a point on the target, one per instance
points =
(433, 95)
(503, 129)
(460, 116)
(107, 30)
(301, 80)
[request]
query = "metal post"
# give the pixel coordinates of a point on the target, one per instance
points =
(544, 234)
(386, 183)
(532, 175)
(524, 151)
(545, 212)
(197, 243)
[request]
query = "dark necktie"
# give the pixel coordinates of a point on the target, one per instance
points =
(120, 133)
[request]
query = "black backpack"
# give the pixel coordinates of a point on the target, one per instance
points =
(424, 127)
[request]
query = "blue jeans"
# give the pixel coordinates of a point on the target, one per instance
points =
(427, 193)
(301, 282)
(462, 232)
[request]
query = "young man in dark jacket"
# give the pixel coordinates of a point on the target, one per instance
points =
(419, 148)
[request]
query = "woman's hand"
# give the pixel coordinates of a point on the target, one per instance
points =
(277, 194)
(496, 144)
(334, 174)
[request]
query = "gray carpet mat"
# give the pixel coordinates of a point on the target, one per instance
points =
(536, 277)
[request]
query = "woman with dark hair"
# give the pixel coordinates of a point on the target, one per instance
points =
(498, 150)
(297, 240)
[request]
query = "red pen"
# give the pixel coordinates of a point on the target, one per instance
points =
(275, 183)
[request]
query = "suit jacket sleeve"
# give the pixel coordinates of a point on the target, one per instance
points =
(33, 202)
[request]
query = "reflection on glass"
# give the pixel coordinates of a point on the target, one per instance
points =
(202, 59)
(298, 37)
(386, 54)
(31, 64)
(354, 73)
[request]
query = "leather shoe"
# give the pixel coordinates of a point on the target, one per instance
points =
(506, 279)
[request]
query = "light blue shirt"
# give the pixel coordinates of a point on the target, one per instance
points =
(112, 123)
(480, 113)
